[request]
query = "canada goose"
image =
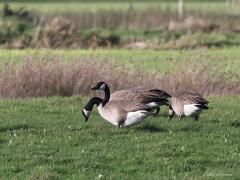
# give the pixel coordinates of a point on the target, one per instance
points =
(151, 97)
(121, 113)
(187, 104)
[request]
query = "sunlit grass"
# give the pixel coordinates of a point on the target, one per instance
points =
(164, 61)
(47, 138)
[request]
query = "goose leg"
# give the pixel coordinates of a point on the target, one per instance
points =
(120, 124)
(157, 111)
(196, 118)
(180, 117)
(171, 116)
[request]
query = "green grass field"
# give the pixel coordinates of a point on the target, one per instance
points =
(221, 61)
(47, 139)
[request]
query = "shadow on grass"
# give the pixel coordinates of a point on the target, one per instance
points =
(151, 129)
(16, 127)
(2, 141)
(161, 114)
(236, 124)
(190, 128)
(215, 121)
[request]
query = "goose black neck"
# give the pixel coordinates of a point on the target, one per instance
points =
(107, 95)
(92, 102)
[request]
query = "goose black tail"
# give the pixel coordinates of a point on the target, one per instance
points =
(160, 93)
(202, 106)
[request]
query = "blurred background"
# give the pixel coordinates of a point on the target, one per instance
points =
(175, 44)
(53, 49)
(156, 24)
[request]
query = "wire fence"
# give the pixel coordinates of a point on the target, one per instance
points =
(229, 7)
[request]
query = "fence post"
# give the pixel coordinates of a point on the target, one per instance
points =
(239, 7)
(180, 8)
(129, 13)
(229, 6)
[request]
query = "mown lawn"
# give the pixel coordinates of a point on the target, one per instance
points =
(47, 138)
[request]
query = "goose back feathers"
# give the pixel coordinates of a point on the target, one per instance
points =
(187, 104)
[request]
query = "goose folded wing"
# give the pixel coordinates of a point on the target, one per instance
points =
(149, 97)
(133, 106)
(123, 94)
(160, 93)
(193, 97)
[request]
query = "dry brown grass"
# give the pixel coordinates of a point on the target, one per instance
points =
(201, 79)
(49, 78)
(52, 78)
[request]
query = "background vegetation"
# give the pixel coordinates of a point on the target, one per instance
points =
(52, 52)
(47, 139)
(151, 25)
(41, 73)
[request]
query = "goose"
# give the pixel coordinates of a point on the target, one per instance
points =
(187, 104)
(152, 97)
(120, 112)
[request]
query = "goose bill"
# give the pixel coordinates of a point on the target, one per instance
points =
(94, 88)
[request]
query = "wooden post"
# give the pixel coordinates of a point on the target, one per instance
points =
(239, 7)
(180, 8)
(129, 13)
(229, 6)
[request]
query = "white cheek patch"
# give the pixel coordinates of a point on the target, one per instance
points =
(152, 104)
(87, 113)
(190, 109)
(102, 87)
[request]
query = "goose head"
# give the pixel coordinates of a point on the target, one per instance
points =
(100, 86)
(89, 106)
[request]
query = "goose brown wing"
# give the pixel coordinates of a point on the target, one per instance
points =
(192, 97)
(160, 93)
(157, 92)
(134, 106)
(122, 94)
(128, 93)
(148, 97)
(126, 106)
(142, 96)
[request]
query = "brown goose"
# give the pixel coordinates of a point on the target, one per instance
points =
(121, 113)
(187, 104)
